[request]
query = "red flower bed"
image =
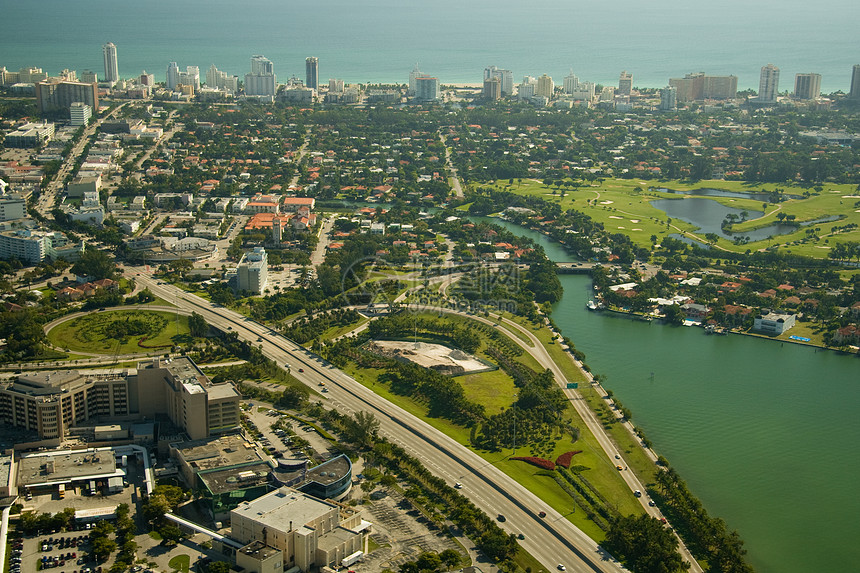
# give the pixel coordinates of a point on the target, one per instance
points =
(564, 459)
(539, 462)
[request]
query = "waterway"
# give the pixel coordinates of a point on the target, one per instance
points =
(764, 433)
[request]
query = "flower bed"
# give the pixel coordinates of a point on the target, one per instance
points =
(539, 462)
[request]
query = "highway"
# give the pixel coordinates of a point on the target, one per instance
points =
(552, 540)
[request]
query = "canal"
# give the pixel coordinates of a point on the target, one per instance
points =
(764, 433)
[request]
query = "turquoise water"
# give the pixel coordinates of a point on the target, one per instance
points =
(764, 433)
(380, 40)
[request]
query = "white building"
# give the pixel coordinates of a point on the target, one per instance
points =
(252, 273)
(12, 207)
(570, 83)
(310, 532)
(426, 88)
(768, 85)
(34, 246)
(807, 86)
(261, 81)
(774, 323)
(80, 113)
(668, 99)
(111, 67)
(217, 79)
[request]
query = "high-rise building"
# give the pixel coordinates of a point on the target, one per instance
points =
(55, 95)
(426, 88)
(146, 79)
(545, 86)
(172, 75)
(668, 99)
(217, 79)
(111, 67)
(261, 81)
(335, 86)
(413, 76)
(571, 83)
(855, 82)
(80, 114)
(625, 83)
(492, 88)
(768, 84)
(69, 75)
(89, 77)
(698, 86)
(190, 77)
(252, 272)
(506, 79)
(312, 73)
(807, 86)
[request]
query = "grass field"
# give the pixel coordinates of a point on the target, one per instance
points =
(623, 205)
(121, 332)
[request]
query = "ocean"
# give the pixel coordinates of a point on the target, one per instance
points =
(379, 41)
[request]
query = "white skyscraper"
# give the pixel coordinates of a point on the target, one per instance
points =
(111, 67)
(571, 83)
(261, 81)
(668, 99)
(172, 75)
(768, 85)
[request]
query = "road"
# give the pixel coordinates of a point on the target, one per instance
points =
(455, 178)
(552, 540)
(49, 196)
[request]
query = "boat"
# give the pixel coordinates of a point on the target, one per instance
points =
(591, 305)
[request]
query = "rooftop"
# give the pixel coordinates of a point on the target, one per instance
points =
(259, 550)
(223, 451)
(65, 466)
(284, 507)
(236, 478)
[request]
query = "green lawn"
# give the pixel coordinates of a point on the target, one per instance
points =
(121, 332)
(495, 390)
(180, 563)
(623, 205)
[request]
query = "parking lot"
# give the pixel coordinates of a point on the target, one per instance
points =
(64, 552)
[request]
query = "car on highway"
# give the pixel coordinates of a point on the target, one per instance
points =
(502, 518)
(458, 485)
(301, 369)
(542, 514)
(561, 567)
(637, 493)
(619, 468)
(651, 503)
(521, 536)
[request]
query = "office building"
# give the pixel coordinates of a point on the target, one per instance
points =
(426, 89)
(668, 99)
(545, 87)
(12, 207)
(625, 84)
(225, 470)
(252, 273)
(492, 89)
(413, 76)
(335, 86)
(111, 66)
(261, 81)
(80, 114)
(312, 73)
(768, 84)
(34, 246)
(29, 135)
(505, 77)
(855, 82)
(310, 533)
(698, 86)
(177, 388)
(807, 86)
(50, 403)
(57, 96)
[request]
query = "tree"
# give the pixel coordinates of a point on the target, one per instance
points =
(96, 264)
(645, 545)
(219, 567)
(450, 557)
(198, 326)
(102, 547)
